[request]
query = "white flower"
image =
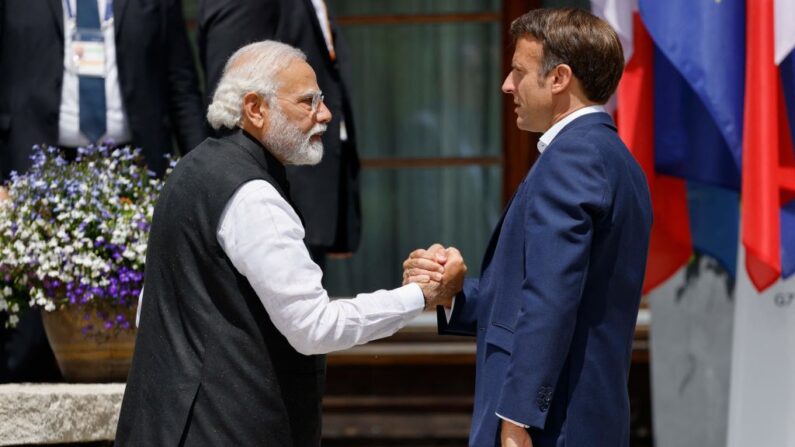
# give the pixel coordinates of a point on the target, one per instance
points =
(13, 320)
(129, 254)
(55, 247)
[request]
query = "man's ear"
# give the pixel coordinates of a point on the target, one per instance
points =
(255, 109)
(561, 78)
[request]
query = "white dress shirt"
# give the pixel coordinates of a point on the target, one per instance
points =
(546, 139)
(321, 11)
(322, 18)
(117, 126)
(263, 237)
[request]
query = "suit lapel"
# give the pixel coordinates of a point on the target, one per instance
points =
(119, 6)
(321, 40)
(590, 119)
(495, 235)
(56, 7)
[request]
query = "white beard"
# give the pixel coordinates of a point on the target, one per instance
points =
(287, 143)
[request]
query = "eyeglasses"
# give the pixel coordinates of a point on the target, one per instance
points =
(310, 102)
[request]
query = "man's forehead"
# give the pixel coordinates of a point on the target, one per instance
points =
(298, 77)
(527, 50)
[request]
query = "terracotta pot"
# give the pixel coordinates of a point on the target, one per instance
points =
(102, 357)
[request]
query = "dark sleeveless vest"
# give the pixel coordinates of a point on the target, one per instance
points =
(209, 366)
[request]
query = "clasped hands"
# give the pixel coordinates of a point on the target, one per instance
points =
(439, 272)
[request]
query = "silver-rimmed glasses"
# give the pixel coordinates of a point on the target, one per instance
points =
(310, 101)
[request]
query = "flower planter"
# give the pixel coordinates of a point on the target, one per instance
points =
(103, 356)
(73, 237)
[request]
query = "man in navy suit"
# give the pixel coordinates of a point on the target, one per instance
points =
(554, 309)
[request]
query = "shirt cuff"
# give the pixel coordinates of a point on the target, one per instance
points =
(511, 421)
(448, 313)
(412, 296)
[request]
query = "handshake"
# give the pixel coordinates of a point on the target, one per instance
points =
(439, 272)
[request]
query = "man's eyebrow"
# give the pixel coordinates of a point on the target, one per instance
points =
(310, 93)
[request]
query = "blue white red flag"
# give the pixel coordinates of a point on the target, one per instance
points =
(768, 187)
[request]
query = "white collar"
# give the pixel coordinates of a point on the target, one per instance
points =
(552, 132)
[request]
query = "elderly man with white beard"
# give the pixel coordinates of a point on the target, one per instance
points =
(234, 319)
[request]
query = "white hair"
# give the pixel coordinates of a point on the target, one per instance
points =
(252, 68)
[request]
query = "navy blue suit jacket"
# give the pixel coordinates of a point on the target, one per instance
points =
(555, 307)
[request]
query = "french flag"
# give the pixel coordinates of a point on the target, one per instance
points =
(768, 188)
(705, 107)
(670, 244)
(762, 390)
(667, 138)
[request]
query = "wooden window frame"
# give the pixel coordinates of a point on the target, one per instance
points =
(518, 147)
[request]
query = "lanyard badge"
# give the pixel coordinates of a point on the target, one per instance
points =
(88, 52)
(88, 44)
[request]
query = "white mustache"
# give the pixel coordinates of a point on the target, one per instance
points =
(317, 129)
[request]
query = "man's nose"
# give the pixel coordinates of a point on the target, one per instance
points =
(323, 113)
(507, 84)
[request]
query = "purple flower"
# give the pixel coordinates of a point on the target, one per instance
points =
(52, 187)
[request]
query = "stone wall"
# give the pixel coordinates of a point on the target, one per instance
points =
(58, 413)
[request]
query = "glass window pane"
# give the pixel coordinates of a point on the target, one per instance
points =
(422, 90)
(405, 209)
(429, 90)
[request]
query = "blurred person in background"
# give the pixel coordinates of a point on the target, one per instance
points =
(79, 72)
(326, 195)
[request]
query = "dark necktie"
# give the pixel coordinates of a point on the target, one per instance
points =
(92, 89)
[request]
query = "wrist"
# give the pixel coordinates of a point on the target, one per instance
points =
(429, 303)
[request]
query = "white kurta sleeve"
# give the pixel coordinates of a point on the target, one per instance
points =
(263, 237)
